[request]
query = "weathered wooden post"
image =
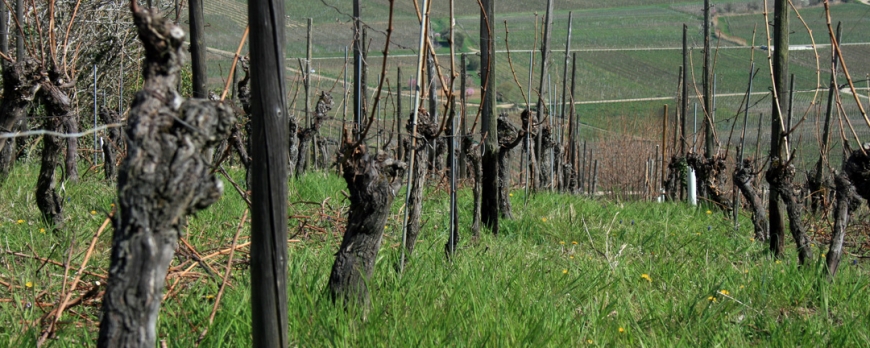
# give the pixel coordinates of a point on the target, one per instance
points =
(488, 129)
(268, 174)
(197, 49)
(541, 154)
(780, 74)
(819, 180)
(708, 85)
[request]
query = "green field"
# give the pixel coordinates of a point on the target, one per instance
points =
(567, 271)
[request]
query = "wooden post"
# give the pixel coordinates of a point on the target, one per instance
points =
(19, 36)
(565, 74)
(664, 147)
(4, 30)
(594, 185)
(572, 127)
(463, 130)
(268, 175)
(197, 49)
(358, 83)
(306, 82)
(708, 85)
(543, 166)
(684, 96)
(488, 130)
(780, 74)
(819, 176)
(400, 149)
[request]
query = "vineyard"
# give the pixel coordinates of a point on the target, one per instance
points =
(497, 173)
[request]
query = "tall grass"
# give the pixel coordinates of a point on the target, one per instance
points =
(567, 271)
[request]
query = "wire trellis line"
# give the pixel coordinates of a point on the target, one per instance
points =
(59, 134)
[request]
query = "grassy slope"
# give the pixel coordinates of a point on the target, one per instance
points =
(530, 286)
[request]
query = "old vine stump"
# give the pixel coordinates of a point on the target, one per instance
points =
(373, 182)
(164, 177)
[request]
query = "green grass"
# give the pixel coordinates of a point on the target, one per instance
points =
(532, 285)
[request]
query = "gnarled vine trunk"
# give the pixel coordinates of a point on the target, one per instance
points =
(113, 143)
(427, 129)
(165, 176)
(780, 176)
(324, 104)
(711, 173)
(373, 182)
(57, 104)
(20, 84)
(857, 168)
(474, 160)
(847, 202)
(743, 177)
(508, 138)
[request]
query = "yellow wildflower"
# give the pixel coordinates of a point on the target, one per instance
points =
(741, 286)
(112, 205)
(571, 257)
(589, 341)
(565, 271)
(778, 262)
(712, 299)
(751, 239)
(646, 276)
(20, 221)
(510, 194)
(709, 212)
(28, 284)
(724, 292)
(544, 219)
(621, 330)
(574, 242)
(41, 230)
(562, 242)
(209, 297)
(93, 212)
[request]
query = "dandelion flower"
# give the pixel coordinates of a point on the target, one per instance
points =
(571, 257)
(712, 299)
(544, 219)
(709, 212)
(20, 221)
(28, 284)
(574, 242)
(746, 271)
(778, 262)
(565, 271)
(510, 194)
(41, 230)
(724, 292)
(621, 330)
(741, 286)
(646, 276)
(589, 341)
(112, 205)
(823, 255)
(93, 212)
(751, 239)
(209, 297)
(562, 242)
